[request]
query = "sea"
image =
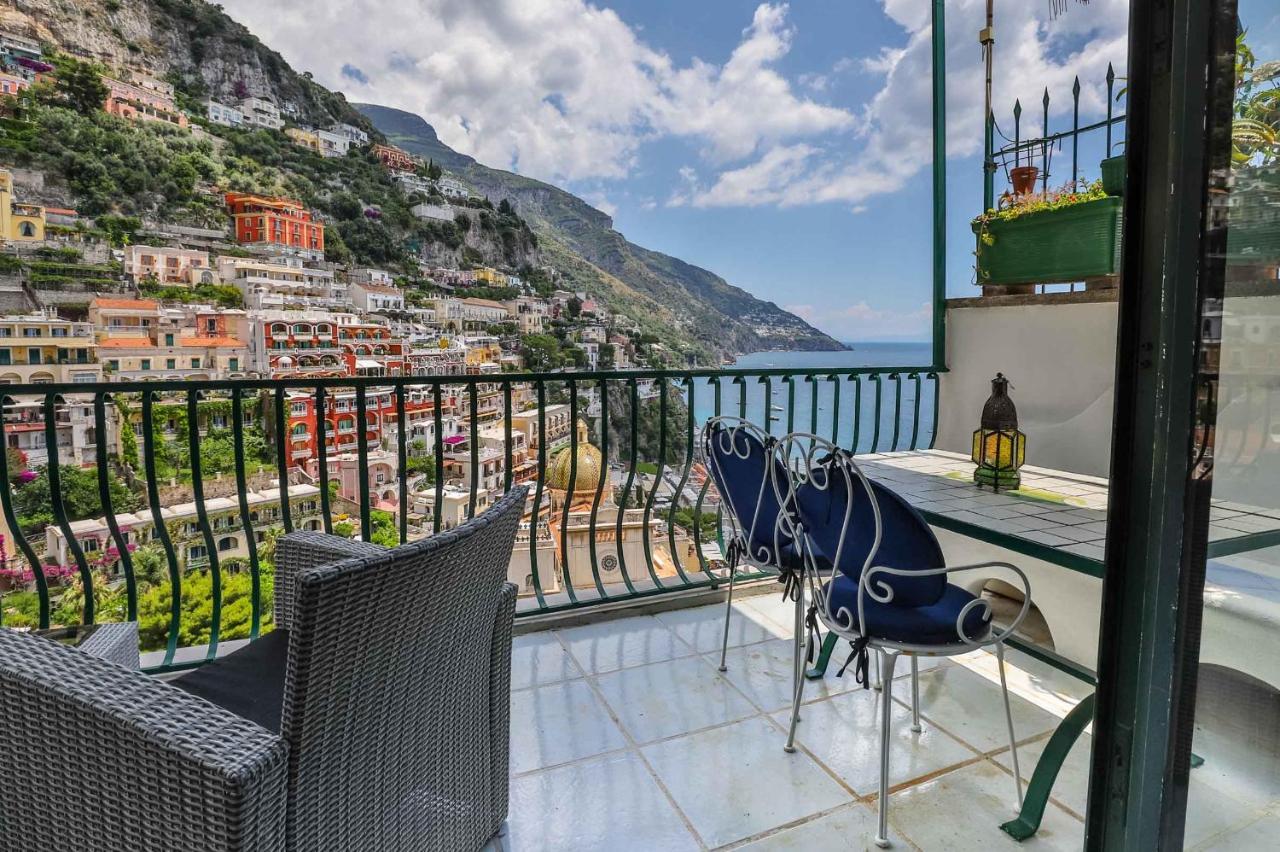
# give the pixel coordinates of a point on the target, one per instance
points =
(835, 416)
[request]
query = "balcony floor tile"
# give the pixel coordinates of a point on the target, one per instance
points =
(610, 645)
(610, 802)
(666, 699)
(962, 810)
(703, 627)
(763, 673)
(968, 706)
(559, 723)
(735, 781)
(539, 658)
(844, 734)
(850, 827)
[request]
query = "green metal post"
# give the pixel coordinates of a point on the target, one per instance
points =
(939, 38)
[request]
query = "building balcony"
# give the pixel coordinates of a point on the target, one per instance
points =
(615, 677)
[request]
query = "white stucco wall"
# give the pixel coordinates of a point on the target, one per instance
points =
(1060, 360)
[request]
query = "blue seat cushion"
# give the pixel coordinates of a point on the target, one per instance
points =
(934, 624)
(741, 471)
(906, 541)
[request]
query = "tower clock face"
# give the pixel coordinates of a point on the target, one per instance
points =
(609, 563)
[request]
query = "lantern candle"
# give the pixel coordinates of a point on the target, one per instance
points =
(999, 449)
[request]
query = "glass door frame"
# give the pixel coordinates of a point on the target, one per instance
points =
(1152, 599)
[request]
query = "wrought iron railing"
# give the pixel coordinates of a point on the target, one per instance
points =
(1039, 150)
(638, 517)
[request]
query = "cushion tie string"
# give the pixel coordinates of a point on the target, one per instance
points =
(860, 669)
(815, 633)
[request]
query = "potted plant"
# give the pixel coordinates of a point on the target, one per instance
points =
(1062, 236)
(1113, 174)
(1023, 179)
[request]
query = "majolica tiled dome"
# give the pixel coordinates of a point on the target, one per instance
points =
(587, 475)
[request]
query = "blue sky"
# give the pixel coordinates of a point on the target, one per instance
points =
(785, 147)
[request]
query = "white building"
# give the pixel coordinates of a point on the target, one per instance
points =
(284, 282)
(354, 135)
(377, 297)
(451, 187)
(261, 113)
(411, 182)
(436, 212)
(228, 116)
(332, 144)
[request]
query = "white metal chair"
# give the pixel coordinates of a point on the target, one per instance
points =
(738, 454)
(888, 592)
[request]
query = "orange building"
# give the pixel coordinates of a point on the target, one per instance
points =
(279, 221)
(394, 158)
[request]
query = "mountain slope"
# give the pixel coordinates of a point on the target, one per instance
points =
(714, 310)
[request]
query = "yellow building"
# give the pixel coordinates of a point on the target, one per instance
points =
(44, 348)
(491, 276)
(304, 138)
(18, 222)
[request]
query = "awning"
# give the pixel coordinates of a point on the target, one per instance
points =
(367, 364)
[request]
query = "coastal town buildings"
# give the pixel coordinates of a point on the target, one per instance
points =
(274, 221)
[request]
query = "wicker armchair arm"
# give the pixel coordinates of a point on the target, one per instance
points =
(500, 699)
(298, 551)
(100, 757)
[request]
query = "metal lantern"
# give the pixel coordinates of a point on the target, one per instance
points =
(999, 449)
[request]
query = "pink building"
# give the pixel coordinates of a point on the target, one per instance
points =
(144, 99)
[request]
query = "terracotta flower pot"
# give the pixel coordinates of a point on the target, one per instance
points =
(1024, 179)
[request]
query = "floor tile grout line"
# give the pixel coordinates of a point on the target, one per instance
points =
(635, 748)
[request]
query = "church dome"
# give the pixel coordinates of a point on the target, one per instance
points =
(587, 475)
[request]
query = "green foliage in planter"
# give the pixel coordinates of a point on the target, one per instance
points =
(1061, 236)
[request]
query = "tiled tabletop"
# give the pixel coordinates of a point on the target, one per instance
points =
(1056, 516)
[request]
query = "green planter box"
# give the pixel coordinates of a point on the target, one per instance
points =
(1113, 174)
(1052, 246)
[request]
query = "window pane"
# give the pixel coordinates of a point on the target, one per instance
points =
(1233, 795)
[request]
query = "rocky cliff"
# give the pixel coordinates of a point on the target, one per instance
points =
(713, 309)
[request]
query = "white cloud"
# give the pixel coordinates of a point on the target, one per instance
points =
(559, 89)
(895, 131)
(860, 321)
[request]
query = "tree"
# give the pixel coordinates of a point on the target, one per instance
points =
(574, 308)
(80, 86)
(196, 621)
(34, 503)
(505, 208)
(541, 352)
(382, 528)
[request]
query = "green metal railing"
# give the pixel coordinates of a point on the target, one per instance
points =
(637, 524)
(1018, 150)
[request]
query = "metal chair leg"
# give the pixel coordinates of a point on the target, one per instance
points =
(915, 694)
(1008, 717)
(796, 697)
(887, 661)
(876, 682)
(728, 610)
(798, 648)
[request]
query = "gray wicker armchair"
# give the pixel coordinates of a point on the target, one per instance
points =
(375, 717)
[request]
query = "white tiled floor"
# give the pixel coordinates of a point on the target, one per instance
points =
(625, 736)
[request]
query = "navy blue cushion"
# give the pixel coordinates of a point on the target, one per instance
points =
(934, 624)
(739, 463)
(249, 681)
(906, 541)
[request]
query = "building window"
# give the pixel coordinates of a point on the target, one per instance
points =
(195, 363)
(26, 229)
(171, 364)
(146, 363)
(233, 364)
(33, 356)
(228, 543)
(168, 340)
